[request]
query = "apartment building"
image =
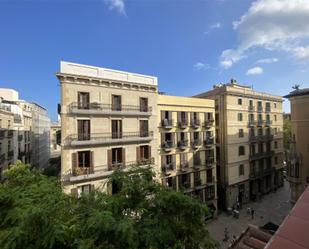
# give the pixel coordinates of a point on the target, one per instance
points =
(108, 122)
(298, 156)
(55, 137)
(6, 137)
(186, 145)
(249, 142)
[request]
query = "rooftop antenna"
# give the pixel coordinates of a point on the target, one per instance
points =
(296, 87)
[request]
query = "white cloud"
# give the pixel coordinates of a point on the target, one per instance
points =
(117, 5)
(255, 71)
(301, 53)
(267, 61)
(200, 66)
(216, 25)
(273, 25)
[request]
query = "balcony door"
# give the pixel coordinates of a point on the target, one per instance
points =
(143, 128)
(116, 102)
(143, 103)
(116, 128)
(83, 100)
(117, 156)
(143, 153)
(83, 127)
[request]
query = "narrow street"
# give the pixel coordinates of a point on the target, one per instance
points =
(272, 207)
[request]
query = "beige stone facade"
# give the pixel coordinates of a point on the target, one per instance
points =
(55, 132)
(6, 138)
(186, 145)
(108, 121)
(249, 142)
(298, 156)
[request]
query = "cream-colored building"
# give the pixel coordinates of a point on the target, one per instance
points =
(108, 121)
(298, 157)
(6, 138)
(186, 145)
(249, 142)
(55, 136)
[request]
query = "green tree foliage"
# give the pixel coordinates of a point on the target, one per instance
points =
(36, 214)
(287, 134)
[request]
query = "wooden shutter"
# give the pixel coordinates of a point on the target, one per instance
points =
(74, 160)
(91, 162)
(149, 152)
(138, 155)
(123, 156)
(109, 159)
(92, 187)
(173, 161)
(74, 192)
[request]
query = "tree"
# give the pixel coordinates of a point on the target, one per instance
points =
(35, 213)
(287, 134)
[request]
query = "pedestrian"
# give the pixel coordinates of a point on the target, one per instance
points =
(252, 213)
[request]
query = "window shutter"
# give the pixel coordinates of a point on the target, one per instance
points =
(91, 162)
(123, 156)
(178, 117)
(74, 192)
(74, 161)
(92, 188)
(149, 152)
(109, 159)
(138, 155)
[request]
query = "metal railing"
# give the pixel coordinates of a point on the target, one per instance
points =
(167, 145)
(209, 141)
(182, 123)
(256, 138)
(209, 162)
(197, 182)
(2, 134)
(108, 135)
(252, 122)
(10, 154)
(267, 109)
(260, 108)
(167, 123)
(10, 133)
(261, 155)
(108, 107)
(184, 165)
(195, 123)
(182, 144)
(251, 108)
(2, 158)
(168, 167)
(209, 122)
(268, 122)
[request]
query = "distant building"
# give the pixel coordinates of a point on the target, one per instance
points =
(55, 140)
(186, 139)
(298, 157)
(249, 127)
(25, 129)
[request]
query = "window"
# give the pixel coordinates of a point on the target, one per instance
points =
(143, 128)
(9, 145)
(275, 105)
(143, 104)
(83, 100)
(117, 156)
(239, 116)
(84, 189)
(83, 159)
(144, 152)
(241, 133)
(250, 102)
(116, 102)
(83, 127)
(276, 145)
(241, 150)
(275, 117)
(116, 128)
(239, 101)
(241, 170)
(9, 124)
(275, 131)
(276, 160)
(0, 123)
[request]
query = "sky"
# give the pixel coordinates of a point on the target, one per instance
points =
(190, 45)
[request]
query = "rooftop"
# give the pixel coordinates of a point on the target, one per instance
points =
(298, 92)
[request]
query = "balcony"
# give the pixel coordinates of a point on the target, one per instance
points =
(252, 122)
(182, 145)
(167, 123)
(267, 109)
(197, 164)
(195, 123)
(261, 155)
(167, 168)
(183, 124)
(20, 138)
(145, 161)
(78, 171)
(95, 108)
(2, 158)
(208, 142)
(184, 166)
(208, 123)
(210, 180)
(251, 108)
(198, 184)
(210, 162)
(260, 138)
(10, 133)
(86, 139)
(260, 122)
(185, 186)
(2, 134)
(167, 146)
(268, 122)
(195, 143)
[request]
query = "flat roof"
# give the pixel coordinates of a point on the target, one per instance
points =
(293, 233)
(106, 73)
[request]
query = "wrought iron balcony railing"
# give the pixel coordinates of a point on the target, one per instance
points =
(195, 143)
(183, 124)
(167, 167)
(260, 155)
(2, 158)
(182, 144)
(195, 123)
(167, 123)
(251, 108)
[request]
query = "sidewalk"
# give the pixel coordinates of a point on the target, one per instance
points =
(272, 207)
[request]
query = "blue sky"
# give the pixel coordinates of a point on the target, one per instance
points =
(188, 45)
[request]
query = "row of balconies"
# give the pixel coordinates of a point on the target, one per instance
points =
(96, 108)
(261, 155)
(83, 139)
(259, 122)
(255, 174)
(194, 124)
(10, 133)
(260, 138)
(168, 168)
(251, 108)
(197, 184)
(184, 144)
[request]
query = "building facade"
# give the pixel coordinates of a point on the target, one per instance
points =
(55, 140)
(108, 121)
(298, 156)
(249, 142)
(6, 138)
(186, 145)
